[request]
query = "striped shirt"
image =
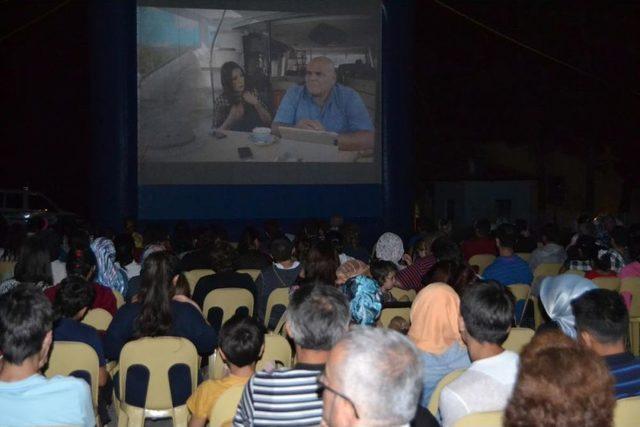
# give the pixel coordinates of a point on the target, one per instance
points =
(411, 277)
(287, 397)
(625, 369)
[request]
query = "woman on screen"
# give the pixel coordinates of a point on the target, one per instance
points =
(238, 108)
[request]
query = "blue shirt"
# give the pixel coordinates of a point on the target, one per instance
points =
(72, 330)
(625, 368)
(508, 271)
(342, 112)
(436, 366)
(37, 401)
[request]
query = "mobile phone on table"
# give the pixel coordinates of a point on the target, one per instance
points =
(245, 153)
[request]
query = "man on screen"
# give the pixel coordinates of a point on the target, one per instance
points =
(323, 105)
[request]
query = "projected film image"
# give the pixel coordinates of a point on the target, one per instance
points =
(237, 86)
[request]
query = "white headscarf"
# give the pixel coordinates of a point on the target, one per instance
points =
(390, 248)
(556, 294)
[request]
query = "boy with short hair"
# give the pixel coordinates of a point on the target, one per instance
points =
(241, 343)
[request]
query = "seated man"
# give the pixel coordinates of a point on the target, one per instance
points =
(26, 397)
(487, 312)
(323, 105)
(508, 268)
(372, 377)
(551, 252)
(602, 321)
(481, 242)
(317, 318)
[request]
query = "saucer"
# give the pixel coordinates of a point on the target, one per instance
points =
(271, 139)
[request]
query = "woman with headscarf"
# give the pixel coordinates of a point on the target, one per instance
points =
(435, 330)
(365, 302)
(107, 272)
(556, 294)
(409, 276)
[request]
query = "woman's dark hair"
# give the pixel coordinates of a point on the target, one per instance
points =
(80, 262)
(457, 275)
(247, 240)
(156, 291)
(226, 78)
(223, 256)
(301, 248)
(445, 249)
(321, 263)
(33, 263)
(74, 294)
(124, 249)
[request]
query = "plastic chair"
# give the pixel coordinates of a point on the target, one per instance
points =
(389, 313)
(547, 269)
(277, 350)
(225, 408)
(434, 401)
(610, 283)
(481, 419)
(537, 314)
(576, 272)
(6, 269)
(632, 285)
(627, 412)
(518, 338)
(521, 292)
(99, 318)
(119, 298)
(229, 300)
(279, 296)
(403, 294)
(158, 355)
(251, 272)
(193, 276)
(524, 255)
(482, 261)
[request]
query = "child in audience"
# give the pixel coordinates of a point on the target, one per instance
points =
(384, 272)
(241, 345)
(601, 263)
(399, 324)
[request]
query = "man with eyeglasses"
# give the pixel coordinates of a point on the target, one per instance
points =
(373, 378)
(324, 105)
(317, 317)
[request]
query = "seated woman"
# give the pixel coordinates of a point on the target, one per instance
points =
(236, 108)
(156, 314)
(249, 254)
(33, 266)
(435, 330)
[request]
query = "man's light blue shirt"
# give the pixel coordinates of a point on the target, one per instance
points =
(38, 401)
(342, 112)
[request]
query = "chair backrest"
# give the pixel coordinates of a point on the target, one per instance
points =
(520, 291)
(99, 318)
(481, 419)
(627, 412)
(279, 296)
(482, 261)
(225, 408)
(518, 338)
(524, 255)
(537, 314)
(6, 269)
(229, 300)
(389, 313)
(119, 298)
(70, 356)
(610, 283)
(434, 400)
(632, 286)
(277, 350)
(576, 272)
(547, 269)
(193, 276)
(250, 271)
(158, 355)
(403, 294)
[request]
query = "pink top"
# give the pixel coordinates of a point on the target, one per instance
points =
(630, 270)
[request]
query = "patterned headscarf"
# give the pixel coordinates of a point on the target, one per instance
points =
(108, 274)
(556, 294)
(365, 306)
(389, 248)
(349, 269)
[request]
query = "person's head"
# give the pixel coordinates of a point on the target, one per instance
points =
(241, 341)
(584, 248)
(33, 263)
(350, 269)
(157, 279)
(317, 317)
(506, 236)
(124, 249)
(487, 312)
(26, 320)
(601, 259)
(482, 228)
(445, 249)
(384, 272)
(365, 303)
(281, 249)
(321, 262)
(601, 320)
(232, 78)
(389, 247)
(223, 256)
(435, 319)
(350, 235)
(556, 294)
(320, 76)
(550, 234)
(74, 297)
(560, 383)
(81, 262)
(107, 273)
(457, 275)
(249, 240)
(399, 324)
(373, 377)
